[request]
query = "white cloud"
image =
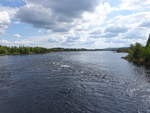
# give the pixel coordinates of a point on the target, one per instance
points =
(6, 14)
(15, 43)
(134, 4)
(80, 23)
(4, 21)
(17, 36)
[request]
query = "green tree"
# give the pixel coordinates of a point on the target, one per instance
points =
(148, 41)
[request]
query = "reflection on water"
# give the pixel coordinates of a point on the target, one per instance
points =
(73, 82)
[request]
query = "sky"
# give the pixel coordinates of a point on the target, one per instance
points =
(74, 23)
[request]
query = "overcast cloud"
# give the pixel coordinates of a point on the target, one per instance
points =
(56, 15)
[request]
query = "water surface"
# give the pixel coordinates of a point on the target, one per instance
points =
(73, 82)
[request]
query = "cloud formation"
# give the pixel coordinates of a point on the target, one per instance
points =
(4, 21)
(6, 14)
(55, 15)
(17, 36)
(77, 23)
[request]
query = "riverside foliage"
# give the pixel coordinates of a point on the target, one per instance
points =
(139, 54)
(4, 50)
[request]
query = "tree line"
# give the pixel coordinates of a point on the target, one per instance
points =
(5, 50)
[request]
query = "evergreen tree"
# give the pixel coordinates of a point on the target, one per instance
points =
(148, 41)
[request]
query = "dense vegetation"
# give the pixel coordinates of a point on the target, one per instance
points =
(122, 50)
(4, 50)
(139, 54)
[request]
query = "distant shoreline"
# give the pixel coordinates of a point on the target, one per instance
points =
(5, 50)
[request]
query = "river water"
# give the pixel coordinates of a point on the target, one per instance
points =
(73, 82)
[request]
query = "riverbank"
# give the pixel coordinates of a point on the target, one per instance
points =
(139, 54)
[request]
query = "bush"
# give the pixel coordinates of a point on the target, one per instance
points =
(139, 54)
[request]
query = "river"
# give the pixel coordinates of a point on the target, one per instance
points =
(73, 82)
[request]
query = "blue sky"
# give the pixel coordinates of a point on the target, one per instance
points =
(74, 23)
(12, 3)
